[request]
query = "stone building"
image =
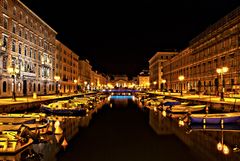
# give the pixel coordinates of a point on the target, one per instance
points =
(84, 74)
(216, 47)
(155, 68)
(26, 53)
(143, 79)
(66, 68)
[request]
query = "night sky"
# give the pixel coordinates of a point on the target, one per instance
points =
(120, 36)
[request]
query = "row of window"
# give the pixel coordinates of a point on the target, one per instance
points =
(32, 53)
(31, 37)
(19, 87)
(31, 23)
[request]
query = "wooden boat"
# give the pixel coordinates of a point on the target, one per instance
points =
(65, 108)
(185, 109)
(10, 141)
(37, 116)
(219, 118)
(215, 127)
(16, 121)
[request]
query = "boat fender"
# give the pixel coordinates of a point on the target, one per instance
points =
(222, 121)
(204, 120)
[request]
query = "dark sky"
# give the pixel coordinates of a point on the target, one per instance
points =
(120, 36)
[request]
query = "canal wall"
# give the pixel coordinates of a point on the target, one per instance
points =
(33, 104)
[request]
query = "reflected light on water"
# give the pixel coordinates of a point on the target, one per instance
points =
(164, 113)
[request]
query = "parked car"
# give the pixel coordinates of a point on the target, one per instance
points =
(192, 91)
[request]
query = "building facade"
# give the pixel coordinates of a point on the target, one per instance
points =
(155, 68)
(66, 68)
(217, 47)
(143, 79)
(84, 74)
(27, 51)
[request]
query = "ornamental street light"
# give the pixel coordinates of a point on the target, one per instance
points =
(181, 78)
(57, 78)
(163, 81)
(221, 72)
(75, 82)
(85, 83)
(13, 71)
(155, 83)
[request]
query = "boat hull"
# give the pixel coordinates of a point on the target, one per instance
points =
(64, 112)
(218, 119)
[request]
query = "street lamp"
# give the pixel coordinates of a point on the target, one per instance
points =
(221, 72)
(181, 78)
(85, 83)
(164, 81)
(154, 84)
(57, 78)
(75, 82)
(13, 71)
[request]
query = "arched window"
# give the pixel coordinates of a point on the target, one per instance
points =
(5, 23)
(14, 11)
(4, 86)
(34, 87)
(19, 87)
(49, 87)
(5, 4)
(30, 87)
(21, 15)
(39, 87)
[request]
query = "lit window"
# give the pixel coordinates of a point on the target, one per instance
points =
(20, 15)
(25, 51)
(14, 28)
(5, 4)
(20, 48)
(13, 45)
(14, 11)
(5, 23)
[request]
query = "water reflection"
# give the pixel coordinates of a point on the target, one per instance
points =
(53, 143)
(209, 142)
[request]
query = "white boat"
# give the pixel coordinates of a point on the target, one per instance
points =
(186, 109)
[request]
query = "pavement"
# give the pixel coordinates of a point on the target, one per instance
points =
(7, 101)
(207, 98)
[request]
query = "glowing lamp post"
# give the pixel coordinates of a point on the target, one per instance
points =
(75, 82)
(85, 83)
(221, 72)
(155, 84)
(181, 78)
(57, 78)
(163, 81)
(13, 71)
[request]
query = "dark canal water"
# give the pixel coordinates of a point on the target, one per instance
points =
(122, 131)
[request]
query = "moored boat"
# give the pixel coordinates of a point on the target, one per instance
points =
(11, 141)
(186, 109)
(65, 108)
(219, 118)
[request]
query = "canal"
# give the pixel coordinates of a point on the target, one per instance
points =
(123, 130)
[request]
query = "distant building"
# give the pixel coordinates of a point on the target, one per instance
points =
(84, 74)
(27, 51)
(66, 68)
(155, 68)
(143, 79)
(120, 81)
